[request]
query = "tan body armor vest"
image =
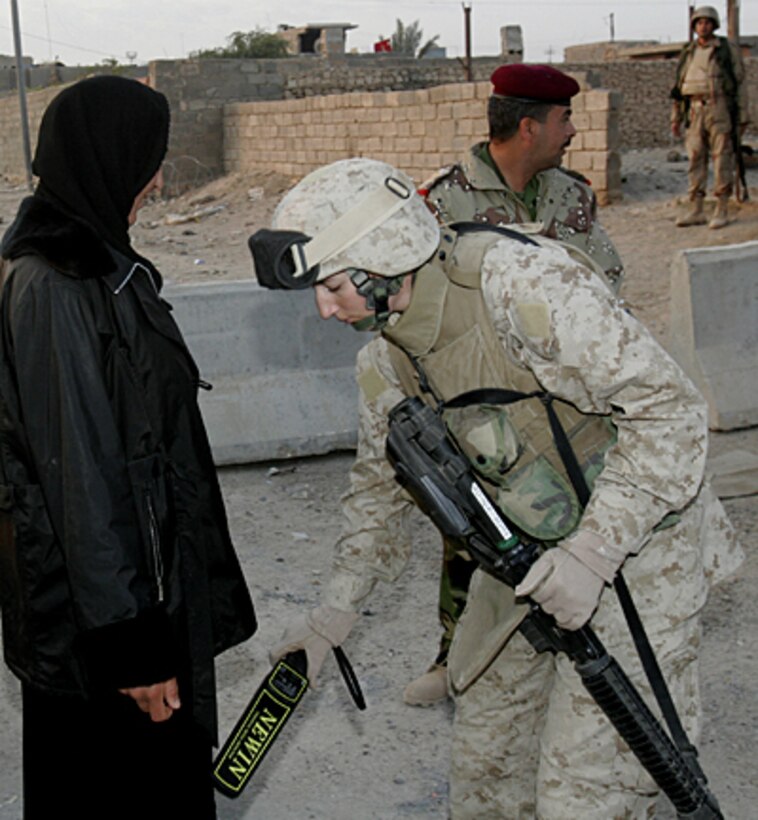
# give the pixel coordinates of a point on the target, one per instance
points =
(448, 332)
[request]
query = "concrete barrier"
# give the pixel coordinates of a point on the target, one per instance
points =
(283, 379)
(714, 329)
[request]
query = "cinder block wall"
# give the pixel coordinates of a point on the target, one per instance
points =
(418, 131)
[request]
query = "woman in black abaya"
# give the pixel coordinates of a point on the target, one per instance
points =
(119, 583)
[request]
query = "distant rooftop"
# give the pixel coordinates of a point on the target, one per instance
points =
(326, 39)
(345, 26)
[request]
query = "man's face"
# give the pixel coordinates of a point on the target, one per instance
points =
(552, 137)
(704, 28)
(337, 296)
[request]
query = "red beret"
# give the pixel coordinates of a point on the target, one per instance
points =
(534, 83)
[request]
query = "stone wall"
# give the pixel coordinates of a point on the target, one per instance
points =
(644, 121)
(646, 85)
(12, 163)
(418, 131)
(43, 76)
(198, 90)
(381, 72)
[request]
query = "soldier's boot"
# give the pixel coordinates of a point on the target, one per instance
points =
(429, 689)
(694, 216)
(720, 216)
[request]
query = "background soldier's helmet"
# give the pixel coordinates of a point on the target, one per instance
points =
(385, 227)
(709, 13)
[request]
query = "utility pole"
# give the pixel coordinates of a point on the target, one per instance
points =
(733, 20)
(613, 30)
(21, 83)
(467, 30)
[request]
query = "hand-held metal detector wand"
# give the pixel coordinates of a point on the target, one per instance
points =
(439, 477)
(261, 722)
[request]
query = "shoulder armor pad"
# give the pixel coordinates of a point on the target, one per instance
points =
(472, 242)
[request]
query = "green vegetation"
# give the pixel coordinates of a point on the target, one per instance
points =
(252, 44)
(406, 39)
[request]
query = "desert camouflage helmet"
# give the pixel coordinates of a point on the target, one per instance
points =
(709, 13)
(362, 214)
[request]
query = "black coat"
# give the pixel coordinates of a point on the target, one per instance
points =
(121, 572)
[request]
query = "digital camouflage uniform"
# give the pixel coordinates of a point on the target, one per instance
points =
(563, 205)
(565, 209)
(528, 740)
(713, 102)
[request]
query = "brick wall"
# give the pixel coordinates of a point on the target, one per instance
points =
(418, 131)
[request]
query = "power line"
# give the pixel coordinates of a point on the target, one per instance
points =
(59, 43)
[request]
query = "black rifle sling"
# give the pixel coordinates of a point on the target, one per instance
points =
(576, 476)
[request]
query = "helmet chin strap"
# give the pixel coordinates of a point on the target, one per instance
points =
(376, 290)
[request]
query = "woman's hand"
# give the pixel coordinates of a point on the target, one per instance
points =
(160, 700)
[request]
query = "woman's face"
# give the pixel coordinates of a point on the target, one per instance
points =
(337, 296)
(155, 184)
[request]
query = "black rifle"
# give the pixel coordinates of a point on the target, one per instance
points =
(439, 477)
(742, 193)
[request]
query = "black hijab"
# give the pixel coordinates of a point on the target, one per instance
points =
(100, 142)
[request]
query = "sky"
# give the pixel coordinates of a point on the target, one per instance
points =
(88, 31)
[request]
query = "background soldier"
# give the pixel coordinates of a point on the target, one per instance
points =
(459, 311)
(514, 178)
(710, 100)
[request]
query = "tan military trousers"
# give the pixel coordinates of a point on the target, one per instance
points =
(709, 132)
(529, 742)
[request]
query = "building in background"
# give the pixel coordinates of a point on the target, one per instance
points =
(326, 39)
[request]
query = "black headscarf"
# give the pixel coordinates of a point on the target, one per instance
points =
(100, 142)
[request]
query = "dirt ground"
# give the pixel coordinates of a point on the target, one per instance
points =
(335, 763)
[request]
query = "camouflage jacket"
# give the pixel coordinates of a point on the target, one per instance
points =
(726, 77)
(539, 302)
(566, 207)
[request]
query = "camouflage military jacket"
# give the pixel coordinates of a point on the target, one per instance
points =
(726, 79)
(558, 321)
(566, 207)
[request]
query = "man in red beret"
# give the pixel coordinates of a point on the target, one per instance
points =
(515, 177)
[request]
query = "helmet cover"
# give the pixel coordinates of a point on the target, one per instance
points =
(707, 12)
(397, 244)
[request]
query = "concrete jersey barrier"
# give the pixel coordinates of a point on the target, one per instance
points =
(714, 329)
(283, 379)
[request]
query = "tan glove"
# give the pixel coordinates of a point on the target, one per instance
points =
(316, 633)
(567, 581)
